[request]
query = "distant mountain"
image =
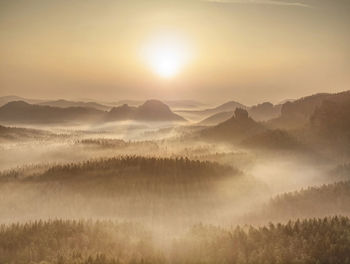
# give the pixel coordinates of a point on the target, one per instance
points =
(297, 114)
(22, 112)
(156, 110)
(332, 118)
(65, 103)
(184, 104)
(127, 102)
(285, 101)
(226, 107)
(260, 112)
(330, 123)
(6, 99)
(241, 129)
(175, 104)
(265, 111)
(235, 129)
(151, 110)
(121, 113)
(216, 118)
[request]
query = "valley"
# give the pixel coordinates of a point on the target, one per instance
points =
(168, 176)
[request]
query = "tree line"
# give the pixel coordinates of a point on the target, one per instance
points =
(318, 201)
(322, 241)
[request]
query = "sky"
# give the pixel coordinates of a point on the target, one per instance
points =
(214, 50)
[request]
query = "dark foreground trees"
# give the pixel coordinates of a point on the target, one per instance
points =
(320, 241)
(324, 240)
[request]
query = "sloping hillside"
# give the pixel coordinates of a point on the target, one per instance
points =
(216, 118)
(151, 110)
(15, 134)
(65, 103)
(126, 187)
(237, 128)
(297, 114)
(22, 112)
(226, 107)
(326, 200)
(265, 111)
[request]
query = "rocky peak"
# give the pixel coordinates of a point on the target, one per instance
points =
(241, 114)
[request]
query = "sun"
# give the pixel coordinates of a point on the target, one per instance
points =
(167, 55)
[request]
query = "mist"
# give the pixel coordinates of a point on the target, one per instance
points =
(172, 132)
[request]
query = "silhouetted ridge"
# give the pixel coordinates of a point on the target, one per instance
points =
(297, 114)
(217, 118)
(241, 114)
(265, 111)
(22, 112)
(235, 129)
(226, 107)
(259, 112)
(151, 110)
(16, 104)
(155, 104)
(156, 110)
(331, 123)
(65, 103)
(6, 99)
(124, 112)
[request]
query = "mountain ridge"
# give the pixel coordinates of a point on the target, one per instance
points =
(23, 112)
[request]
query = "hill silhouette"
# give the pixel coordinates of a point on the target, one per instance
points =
(259, 112)
(297, 114)
(226, 107)
(265, 111)
(10, 98)
(235, 129)
(216, 118)
(65, 103)
(151, 110)
(173, 104)
(329, 126)
(332, 119)
(22, 112)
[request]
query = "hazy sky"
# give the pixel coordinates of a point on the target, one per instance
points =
(250, 51)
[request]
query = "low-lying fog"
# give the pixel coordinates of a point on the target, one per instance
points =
(165, 204)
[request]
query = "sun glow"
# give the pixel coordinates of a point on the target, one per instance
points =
(167, 55)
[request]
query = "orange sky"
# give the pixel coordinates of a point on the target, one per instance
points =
(250, 51)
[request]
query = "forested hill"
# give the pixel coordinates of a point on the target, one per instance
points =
(129, 175)
(130, 167)
(123, 187)
(326, 200)
(325, 241)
